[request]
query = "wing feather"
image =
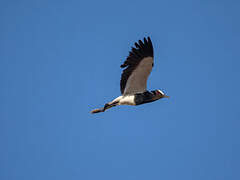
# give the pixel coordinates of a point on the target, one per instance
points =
(138, 66)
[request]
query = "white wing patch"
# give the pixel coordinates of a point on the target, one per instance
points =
(137, 82)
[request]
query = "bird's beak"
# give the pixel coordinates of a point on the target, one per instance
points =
(166, 96)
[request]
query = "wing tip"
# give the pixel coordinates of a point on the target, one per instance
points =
(123, 66)
(145, 46)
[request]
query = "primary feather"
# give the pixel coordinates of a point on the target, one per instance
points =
(138, 66)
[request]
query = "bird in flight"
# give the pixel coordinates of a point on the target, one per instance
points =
(133, 84)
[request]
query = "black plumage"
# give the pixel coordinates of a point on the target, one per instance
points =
(142, 50)
(141, 98)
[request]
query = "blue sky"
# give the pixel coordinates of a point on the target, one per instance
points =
(61, 59)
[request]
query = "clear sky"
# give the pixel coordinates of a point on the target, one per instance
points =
(61, 59)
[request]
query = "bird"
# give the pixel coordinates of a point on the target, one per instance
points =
(133, 84)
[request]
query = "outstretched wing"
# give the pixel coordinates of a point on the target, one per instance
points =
(138, 66)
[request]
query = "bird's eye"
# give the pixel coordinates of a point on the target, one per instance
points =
(152, 64)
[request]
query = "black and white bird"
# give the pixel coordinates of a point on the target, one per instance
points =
(133, 84)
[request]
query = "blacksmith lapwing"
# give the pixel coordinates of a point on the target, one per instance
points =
(133, 84)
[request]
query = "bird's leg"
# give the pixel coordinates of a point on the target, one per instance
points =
(106, 106)
(109, 105)
(97, 111)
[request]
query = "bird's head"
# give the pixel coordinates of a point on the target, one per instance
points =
(159, 94)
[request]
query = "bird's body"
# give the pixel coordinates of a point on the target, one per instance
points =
(133, 84)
